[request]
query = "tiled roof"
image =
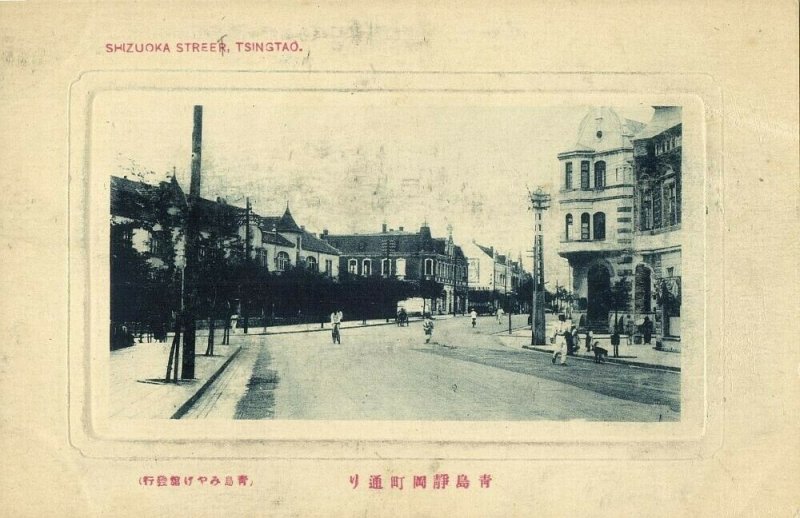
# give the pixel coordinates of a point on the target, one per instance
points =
(132, 199)
(314, 244)
(275, 239)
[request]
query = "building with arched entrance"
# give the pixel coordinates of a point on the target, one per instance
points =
(596, 201)
(620, 202)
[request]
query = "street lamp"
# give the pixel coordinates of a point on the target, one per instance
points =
(540, 201)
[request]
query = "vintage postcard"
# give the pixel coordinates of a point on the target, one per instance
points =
(379, 261)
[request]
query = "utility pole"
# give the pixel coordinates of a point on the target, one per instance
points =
(246, 291)
(192, 233)
(540, 201)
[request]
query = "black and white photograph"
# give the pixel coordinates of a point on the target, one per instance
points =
(330, 256)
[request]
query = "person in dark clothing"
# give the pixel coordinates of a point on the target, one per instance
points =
(647, 330)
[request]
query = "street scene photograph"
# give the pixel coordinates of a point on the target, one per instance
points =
(389, 256)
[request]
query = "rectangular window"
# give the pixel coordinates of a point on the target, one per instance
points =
(585, 175)
(568, 176)
(329, 267)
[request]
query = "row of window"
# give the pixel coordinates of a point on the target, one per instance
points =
(667, 144)
(659, 204)
(592, 227)
(397, 267)
(388, 267)
(599, 175)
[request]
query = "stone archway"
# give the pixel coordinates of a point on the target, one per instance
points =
(598, 279)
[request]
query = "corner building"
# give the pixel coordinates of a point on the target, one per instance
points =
(596, 201)
(658, 163)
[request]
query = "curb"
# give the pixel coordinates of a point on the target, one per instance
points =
(197, 395)
(612, 360)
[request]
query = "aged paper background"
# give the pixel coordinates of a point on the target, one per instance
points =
(741, 60)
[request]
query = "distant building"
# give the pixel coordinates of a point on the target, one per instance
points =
(493, 279)
(409, 256)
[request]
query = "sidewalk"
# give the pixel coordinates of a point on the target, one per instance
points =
(635, 355)
(136, 385)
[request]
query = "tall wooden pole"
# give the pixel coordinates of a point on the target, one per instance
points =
(540, 201)
(192, 232)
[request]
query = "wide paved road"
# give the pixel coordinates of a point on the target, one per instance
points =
(389, 373)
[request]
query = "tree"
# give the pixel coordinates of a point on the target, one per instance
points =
(430, 289)
(619, 297)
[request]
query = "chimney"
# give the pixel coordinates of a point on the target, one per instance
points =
(384, 228)
(400, 229)
(197, 140)
(324, 231)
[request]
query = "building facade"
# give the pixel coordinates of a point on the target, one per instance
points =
(658, 163)
(493, 279)
(150, 217)
(596, 201)
(620, 201)
(407, 256)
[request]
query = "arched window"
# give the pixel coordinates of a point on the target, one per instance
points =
(282, 261)
(429, 266)
(312, 263)
(585, 175)
(599, 226)
(386, 267)
(599, 175)
(568, 176)
(352, 266)
(366, 268)
(400, 267)
(585, 236)
(568, 228)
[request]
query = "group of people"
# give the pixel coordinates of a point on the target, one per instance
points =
(337, 317)
(567, 341)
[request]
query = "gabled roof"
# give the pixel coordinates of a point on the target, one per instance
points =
(486, 250)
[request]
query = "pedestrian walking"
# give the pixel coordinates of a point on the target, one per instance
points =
(570, 343)
(629, 329)
(427, 326)
(560, 340)
(500, 316)
(589, 340)
(474, 315)
(336, 321)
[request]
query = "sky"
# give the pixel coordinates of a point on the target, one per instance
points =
(349, 162)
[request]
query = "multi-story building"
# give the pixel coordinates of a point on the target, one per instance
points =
(409, 256)
(149, 217)
(596, 201)
(493, 278)
(658, 162)
(621, 219)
